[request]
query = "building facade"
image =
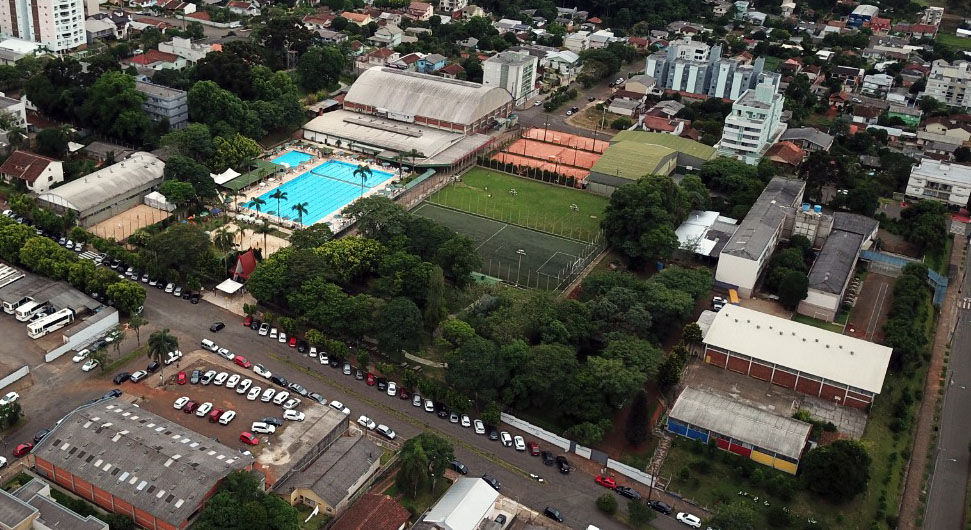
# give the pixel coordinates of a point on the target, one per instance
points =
(162, 102)
(940, 181)
(694, 67)
(755, 122)
(513, 71)
(950, 83)
(57, 24)
(861, 15)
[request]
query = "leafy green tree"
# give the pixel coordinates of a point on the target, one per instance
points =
(315, 338)
(232, 151)
(925, 225)
(363, 172)
(398, 326)
(13, 236)
(312, 236)
(241, 503)
(279, 195)
(692, 333)
(178, 193)
(114, 107)
(46, 257)
(641, 217)
(187, 170)
(458, 258)
(589, 432)
(422, 459)
(492, 414)
(793, 288)
(181, 247)
(735, 516)
(10, 415)
(607, 503)
(52, 142)
(136, 322)
(475, 368)
(457, 332)
(300, 209)
(320, 67)
(639, 513)
(160, 343)
(224, 112)
(845, 465)
(350, 258)
(194, 141)
(101, 356)
(404, 274)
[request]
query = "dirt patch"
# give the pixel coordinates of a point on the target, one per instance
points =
(897, 245)
(615, 442)
(872, 305)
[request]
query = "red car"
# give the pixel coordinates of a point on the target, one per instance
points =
(606, 482)
(370, 379)
(23, 449)
(533, 448)
(190, 407)
(215, 414)
(182, 378)
(292, 342)
(247, 321)
(248, 438)
(404, 393)
(240, 360)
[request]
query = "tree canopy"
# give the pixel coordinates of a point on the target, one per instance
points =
(641, 217)
(838, 471)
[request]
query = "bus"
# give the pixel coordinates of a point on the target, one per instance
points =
(11, 307)
(733, 297)
(58, 320)
(28, 310)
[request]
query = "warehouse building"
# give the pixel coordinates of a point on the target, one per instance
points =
(747, 253)
(634, 154)
(108, 191)
(769, 439)
(130, 461)
(813, 361)
(335, 476)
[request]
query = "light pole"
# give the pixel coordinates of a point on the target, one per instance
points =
(521, 253)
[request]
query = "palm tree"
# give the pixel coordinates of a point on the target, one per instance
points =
(160, 344)
(301, 209)
(279, 195)
(364, 172)
(263, 228)
(257, 204)
(224, 239)
(413, 154)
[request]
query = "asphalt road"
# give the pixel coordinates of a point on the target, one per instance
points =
(535, 116)
(946, 496)
(574, 494)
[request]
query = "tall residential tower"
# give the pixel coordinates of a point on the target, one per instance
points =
(57, 24)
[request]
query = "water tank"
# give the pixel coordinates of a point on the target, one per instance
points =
(805, 206)
(818, 209)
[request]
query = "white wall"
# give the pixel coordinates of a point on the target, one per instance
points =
(819, 304)
(85, 335)
(738, 271)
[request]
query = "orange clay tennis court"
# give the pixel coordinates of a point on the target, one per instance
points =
(575, 172)
(553, 153)
(550, 136)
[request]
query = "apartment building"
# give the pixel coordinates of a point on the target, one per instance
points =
(755, 122)
(950, 83)
(164, 102)
(57, 24)
(694, 67)
(514, 71)
(940, 181)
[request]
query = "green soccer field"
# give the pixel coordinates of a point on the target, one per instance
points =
(525, 202)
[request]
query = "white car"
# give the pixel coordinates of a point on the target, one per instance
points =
(267, 395)
(244, 385)
(81, 355)
(273, 333)
(221, 378)
(9, 398)
(293, 415)
(416, 400)
(506, 438)
(91, 364)
(254, 392)
(204, 409)
(323, 358)
(179, 403)
(337, 405)
(207, 377)
(691, 520)
(259, 370)
(233, 381)
(281, 338)
(466, 421)
(293, 403)
(519, 443)
(227, 417)
(386, 431)
(168, 287)
(135, 377)
(264, 329)
(312, 352)
(177, 291)
(262, 428)
(3, 462)
(429, 406)
(392, 389)
(226, 354)
(479, 427)
(281, 397)
(366, 422)
(172, 357)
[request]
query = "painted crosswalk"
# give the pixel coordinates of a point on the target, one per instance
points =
(965, 303)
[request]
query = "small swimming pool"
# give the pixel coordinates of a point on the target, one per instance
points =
(326, 189)
(292, 158)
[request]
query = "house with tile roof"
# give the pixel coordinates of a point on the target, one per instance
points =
(156, 60)
(361, 19)
(373, 512)
(239, 7)
(38, 173)
(785, 154)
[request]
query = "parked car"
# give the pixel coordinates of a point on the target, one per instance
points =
(177, 292)
(293, 415)
(630, 493)
(370, 379)
(492, 481)
(270, 420)
(233, 381)
(347, 371)
(392, 389)
(479, 427)
(661, 506)
(302, 346)
(606, 482)
(195, 377)
(23, 449)
(281, 381)
(179, 403)
(259, 370)
(153, 367)
(563, 464)
(254, 392)
(317, 397)
(294, 402)
(138, 376)
(337, 405)
(248, 320)
(262, 428)
(298, 389)
(460, 467)
(89, 365)
(208, 377)
(181, 377)
(547, 458)
(40, 436)
(227, 417)
(226, 354)
(453, 417)
(244, 386)
(519, 443)
(533, 448)
(691, 520)
(506, 438)
(282, 337)
(268, 395)
(366, 422)
(429, 406)
(81, 355)
(554, 514)
(241, 361)
(248, 438)
(190, 407)
(386, 431)
(292, 342)
(281, 398)
(215, 414)
(416, 400)
(204, 409)
(220, 378)
(264, 329)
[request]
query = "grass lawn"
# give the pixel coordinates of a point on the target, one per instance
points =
(123, 360)
(537, 205)
(829, 326)
(319, 521)
(939, 261)
(423, 501)
(952, 40)
(772, 63)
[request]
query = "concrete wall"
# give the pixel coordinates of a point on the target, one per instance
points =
(819, 304)
(14, 376)
(107, 320)
(736, 270)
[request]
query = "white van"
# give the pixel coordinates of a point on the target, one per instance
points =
(209, 345)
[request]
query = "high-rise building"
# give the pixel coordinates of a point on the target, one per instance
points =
(755, 122)
(513, 71)
(696, 68)
(57, 24)
(950, 83)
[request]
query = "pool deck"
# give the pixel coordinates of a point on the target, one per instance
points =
(335, 220)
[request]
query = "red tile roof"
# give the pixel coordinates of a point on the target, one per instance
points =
(25, 166)
(786, 153)
(199, 15)
(453, 69)
(239, 4)
(152, 57)
(373, 512)
(657, 123)
(595, 20)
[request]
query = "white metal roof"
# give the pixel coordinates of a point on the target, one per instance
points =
(415, 94)
(105, 184)
(464, 505)
(812, 350)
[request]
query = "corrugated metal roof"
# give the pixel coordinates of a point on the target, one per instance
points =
(764, 218)
(464, 505)
(415, 94)
(779, 434)
(113, 181)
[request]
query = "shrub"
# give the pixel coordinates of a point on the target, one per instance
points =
(607, 503)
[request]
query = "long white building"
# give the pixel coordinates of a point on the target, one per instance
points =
(940, 181)
(57, 24)
(755, 122)
(950, 83)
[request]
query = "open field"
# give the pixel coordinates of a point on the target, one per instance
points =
(524, 202)
(952, 40)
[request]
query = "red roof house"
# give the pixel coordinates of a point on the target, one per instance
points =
(373, 512)
(37, 172)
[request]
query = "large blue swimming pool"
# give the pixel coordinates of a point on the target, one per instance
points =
(292, 158)
(326, 189)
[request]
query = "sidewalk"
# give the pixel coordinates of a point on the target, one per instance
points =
(910, 502)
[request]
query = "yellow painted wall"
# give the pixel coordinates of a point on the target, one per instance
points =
(763, 458)
(788, 467)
